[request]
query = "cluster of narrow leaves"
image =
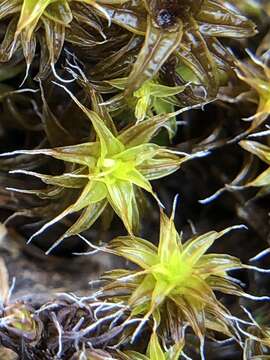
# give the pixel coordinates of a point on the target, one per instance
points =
(188, 32)
(172, 291)
(178, 282)
(108, 170)
(42, 22)
(96, 104)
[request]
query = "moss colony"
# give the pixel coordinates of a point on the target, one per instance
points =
(135, 135)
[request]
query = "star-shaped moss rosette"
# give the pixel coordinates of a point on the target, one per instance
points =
(186, 31)
(108, 171)
(176, 281)
(53, 17)
(256, 74)
(177, 43)
(152, 98)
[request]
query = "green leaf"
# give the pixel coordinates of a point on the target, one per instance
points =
(141, 297)
(163, 91)
(161, 106)
(221, 20)
(194, 314)
(163, 164)
(139, 251)
(175, 351)
(169, 244)
(10, 42)
(31, 12)
(120, 196)
(144, 131)
(142, 107)
(92, 193)
(139, 154)
(59, 11)
(129, 17)
(224, 285)
(102, 111)
(97, 192)
(88, 217)
(82, 154)
(136, 178)
(119, 83)
(109, 144)
(159, 44)
(8, 7)
(200, 60)
(256, 148)
(261, 180)
(161, 290)
(155, 351)
(67, 180)
(195, 248)
(55, 37)
(217, 263)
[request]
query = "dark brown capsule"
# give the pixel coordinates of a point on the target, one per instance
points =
(165, 18)
(169, 11)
